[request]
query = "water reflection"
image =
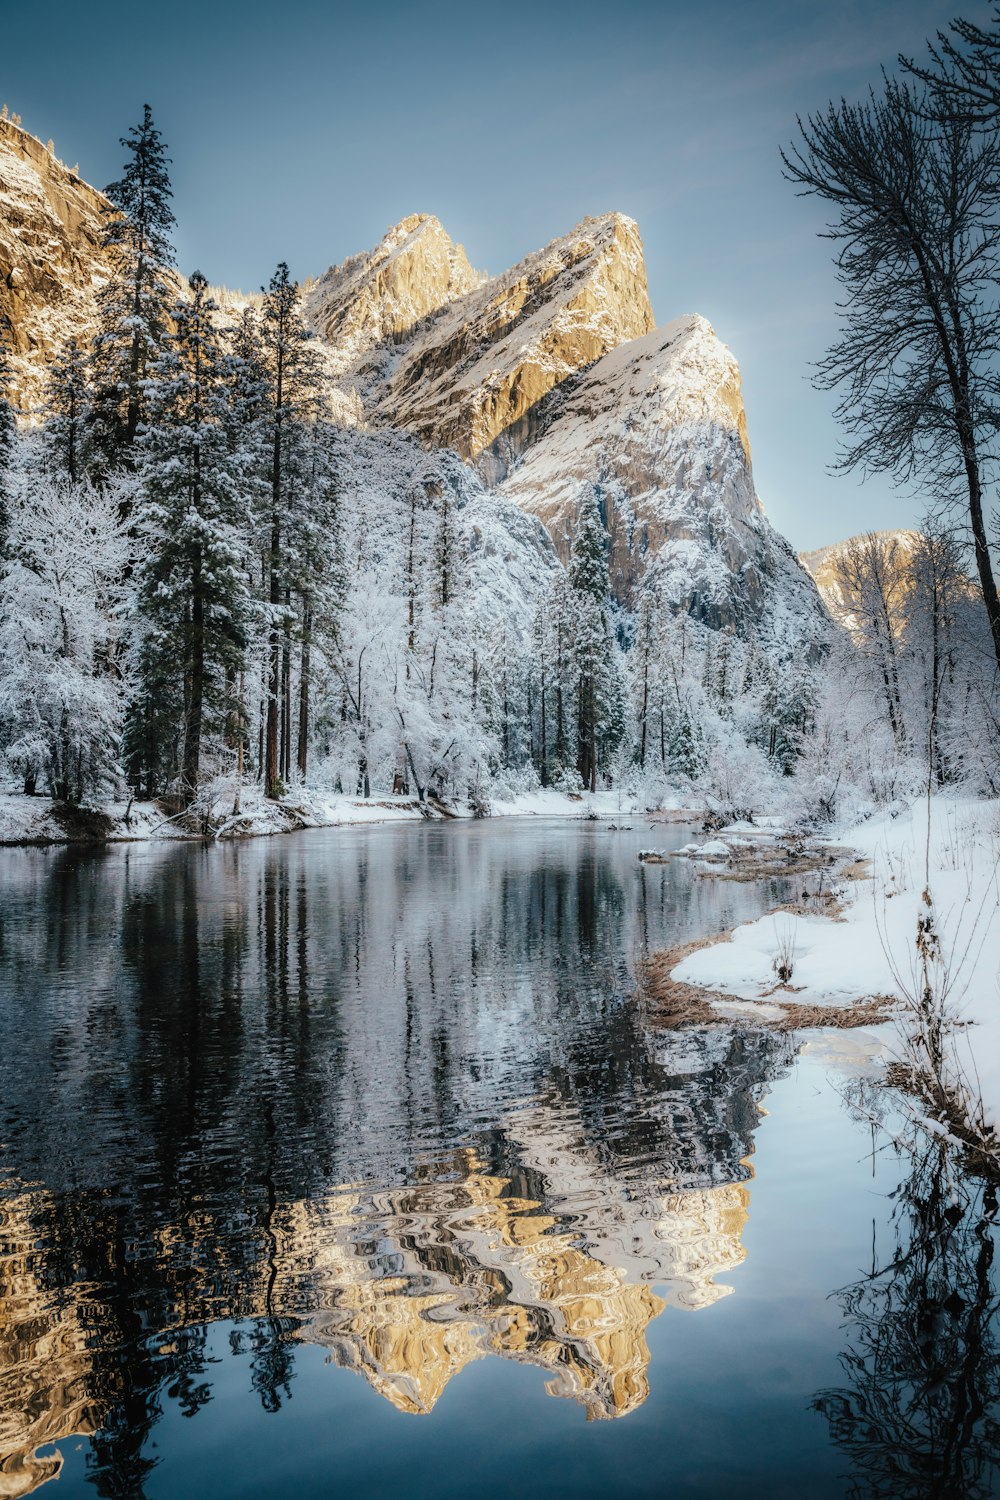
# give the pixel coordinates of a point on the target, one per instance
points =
(379, 1092)
(918, 1413)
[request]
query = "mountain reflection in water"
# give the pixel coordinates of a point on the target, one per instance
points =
(385, 1093)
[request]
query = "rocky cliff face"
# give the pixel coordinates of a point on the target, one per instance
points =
(50, 254)
(656, 430)
(550, 381)
(382, 297)
(471, 376)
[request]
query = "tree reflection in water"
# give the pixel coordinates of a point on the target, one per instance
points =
(918, 1416)
(387, 1096)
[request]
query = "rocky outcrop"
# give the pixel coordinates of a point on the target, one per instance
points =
(471, 377)
(381, 297)
(50, 254)
(656, 431)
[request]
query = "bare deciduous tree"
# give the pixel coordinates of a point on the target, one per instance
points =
(872, 581)
(915, 195)
(964, 70)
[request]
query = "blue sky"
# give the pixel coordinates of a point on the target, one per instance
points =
(300, 131)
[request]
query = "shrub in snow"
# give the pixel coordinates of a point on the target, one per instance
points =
(739, 781)
(60, 592)
(509, 784)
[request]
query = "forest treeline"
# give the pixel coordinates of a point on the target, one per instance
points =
(208, 581)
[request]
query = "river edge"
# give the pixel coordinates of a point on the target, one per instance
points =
(34, 822)
(907, 933)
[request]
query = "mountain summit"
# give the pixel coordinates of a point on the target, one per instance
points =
(554, 383)
(550, 380)
(384, 295)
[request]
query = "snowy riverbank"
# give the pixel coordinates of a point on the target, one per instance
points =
(39, 820)
(870, 949)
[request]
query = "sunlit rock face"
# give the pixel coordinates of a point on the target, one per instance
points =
(471, 376)
(656, 430)
(50, 254)
(383, 295)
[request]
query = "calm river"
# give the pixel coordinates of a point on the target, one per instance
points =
(346, 1164)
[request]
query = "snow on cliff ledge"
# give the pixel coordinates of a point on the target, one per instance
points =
(657, 429)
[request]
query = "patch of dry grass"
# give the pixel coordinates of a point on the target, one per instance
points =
(674, 1005)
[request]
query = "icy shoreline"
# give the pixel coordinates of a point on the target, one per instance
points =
(948, 850)
(27, 821)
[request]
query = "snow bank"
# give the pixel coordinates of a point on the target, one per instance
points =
(546, 802)
(826, 970)
(37, 820)
(872, 949)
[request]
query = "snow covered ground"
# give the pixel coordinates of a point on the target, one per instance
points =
(872, 949)
(27, 820)
(548, 803)
(37, 820)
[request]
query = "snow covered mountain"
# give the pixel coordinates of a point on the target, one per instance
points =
(466, 369)
(658, 431)
(549, 382)
(552, 381)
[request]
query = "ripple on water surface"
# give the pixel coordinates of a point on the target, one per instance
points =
(384, 1096)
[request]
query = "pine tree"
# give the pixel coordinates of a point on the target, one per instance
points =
(588, 578)
(292, 375)
(645, 668)
(685, 742)
(446, 546)
(314, 566)
(248, 435)
(555, 637)
(65, 408)
(193, 592)
(133, 307)
(247, 383)
(588, 567)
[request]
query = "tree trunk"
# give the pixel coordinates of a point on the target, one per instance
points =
(274, 564)
(302, 757)
(286, 695)
(192, 732)
(239, 752)
(645, 707)
(274, 674)
(544, 749)
(984, 566)
(560, 727)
